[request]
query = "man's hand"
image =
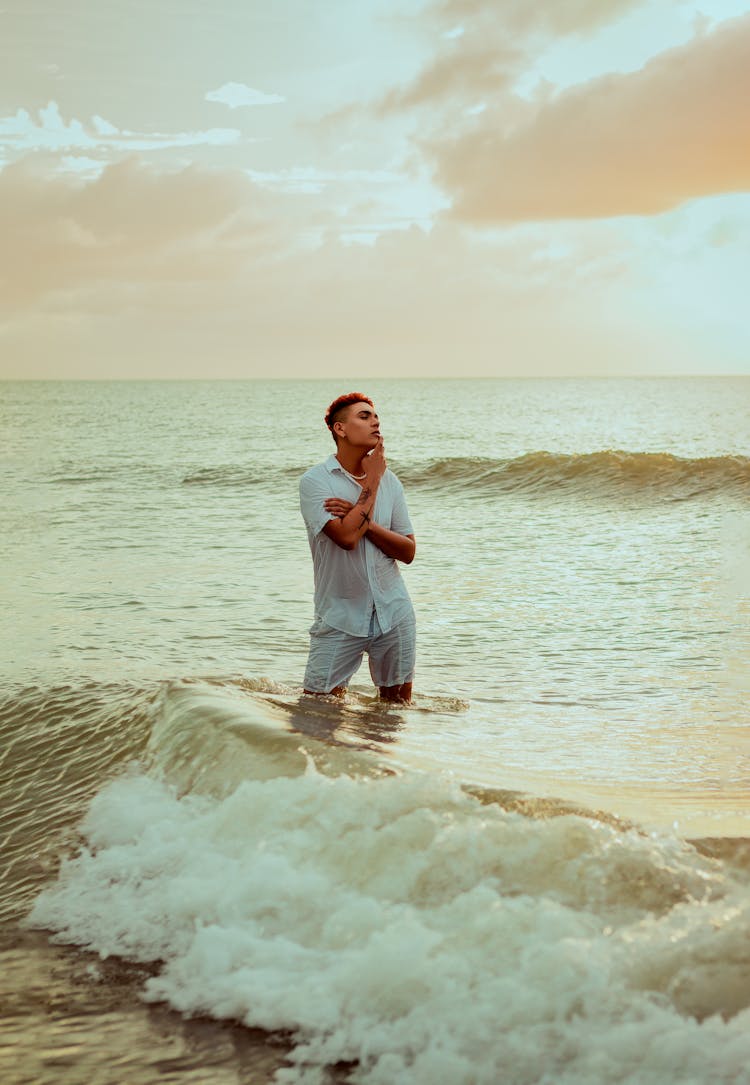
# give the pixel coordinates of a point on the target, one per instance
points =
(338, 506)
(374, 464)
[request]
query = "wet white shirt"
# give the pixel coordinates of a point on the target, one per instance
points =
(349, 584)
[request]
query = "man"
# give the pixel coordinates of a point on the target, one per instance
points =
(358, 527)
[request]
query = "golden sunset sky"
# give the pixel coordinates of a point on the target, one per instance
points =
(340, 187)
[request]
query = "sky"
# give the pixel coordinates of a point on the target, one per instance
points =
(368, 188)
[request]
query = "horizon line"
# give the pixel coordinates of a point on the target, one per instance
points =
(372, 378)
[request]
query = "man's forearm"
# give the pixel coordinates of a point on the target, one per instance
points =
(349, 529)
(400, 547)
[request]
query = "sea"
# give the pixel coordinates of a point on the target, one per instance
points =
(538, 873)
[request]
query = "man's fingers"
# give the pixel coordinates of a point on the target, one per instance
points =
(337, 505)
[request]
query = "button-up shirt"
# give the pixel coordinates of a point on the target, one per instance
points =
(349, 584)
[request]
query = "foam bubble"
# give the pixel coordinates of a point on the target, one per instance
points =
(400, 924)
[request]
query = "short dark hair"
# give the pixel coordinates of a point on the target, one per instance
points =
(333, 414)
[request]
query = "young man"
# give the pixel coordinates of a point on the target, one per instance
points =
(358, 527)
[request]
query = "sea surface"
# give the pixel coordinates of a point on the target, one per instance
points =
(537, 874)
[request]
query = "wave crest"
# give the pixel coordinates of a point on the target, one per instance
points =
(226, 475)
(606, 472)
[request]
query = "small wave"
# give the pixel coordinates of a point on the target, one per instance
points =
(58, 746)
(610, 472)
(85, 474)
(227, 475)
(208, 738)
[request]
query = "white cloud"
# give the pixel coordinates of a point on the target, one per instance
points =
(22, 133)
(82, 165)
(213, 137)
(356, 205)
(235, 95)
(104, 128)
(310, 179)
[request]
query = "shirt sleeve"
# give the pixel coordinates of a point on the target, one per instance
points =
(400, 520)
(312, 493)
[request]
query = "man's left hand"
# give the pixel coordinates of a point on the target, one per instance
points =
(338, 506)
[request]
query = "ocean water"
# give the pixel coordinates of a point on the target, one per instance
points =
(537, 873)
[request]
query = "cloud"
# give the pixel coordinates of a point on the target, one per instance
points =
(180, 305)
(235, 95)
(556, 17)
(466, 74)
(487, 47)
(130, 227)
(310, 179)
(21, 133)
(196, 273)
(104, 128)
(637, 144)
(81, 164)
(117, 266)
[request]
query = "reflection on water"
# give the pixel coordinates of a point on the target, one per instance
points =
(362, 722)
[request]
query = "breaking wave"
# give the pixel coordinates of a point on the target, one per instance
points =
(608, 472)
(394, 925)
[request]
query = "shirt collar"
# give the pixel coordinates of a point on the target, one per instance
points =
(332, 464)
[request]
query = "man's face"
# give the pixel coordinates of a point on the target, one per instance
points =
(361, 425)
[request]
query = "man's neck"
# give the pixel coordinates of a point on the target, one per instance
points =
(350, 458)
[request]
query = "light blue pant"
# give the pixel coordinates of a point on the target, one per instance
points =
(335, 656)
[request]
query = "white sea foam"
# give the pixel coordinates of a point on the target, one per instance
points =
(400, 924)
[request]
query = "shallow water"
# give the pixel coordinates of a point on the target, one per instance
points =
(495, 883)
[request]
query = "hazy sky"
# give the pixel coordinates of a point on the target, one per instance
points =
(363, 188)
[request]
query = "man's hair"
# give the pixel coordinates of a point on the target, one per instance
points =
(334, 412)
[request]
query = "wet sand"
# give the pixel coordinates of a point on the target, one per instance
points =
(68, 1017)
